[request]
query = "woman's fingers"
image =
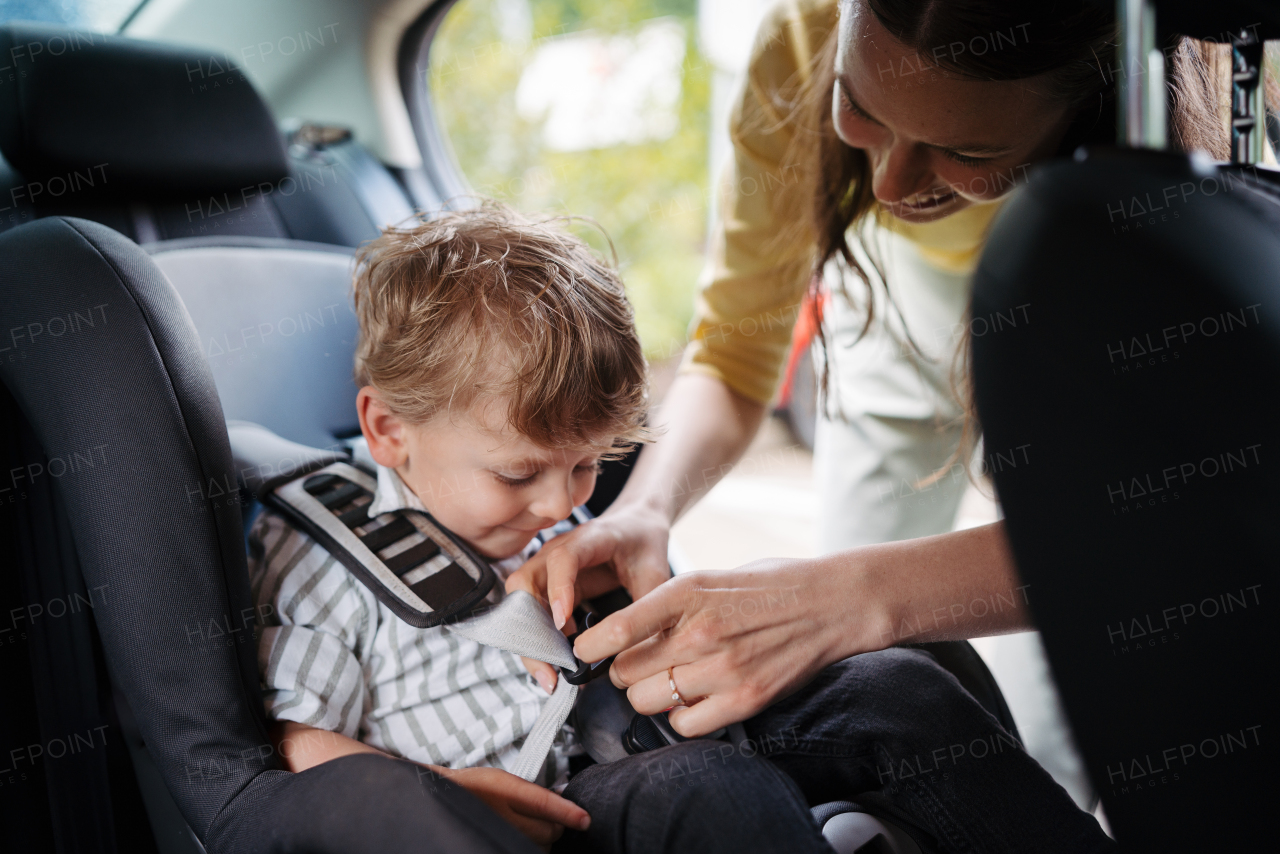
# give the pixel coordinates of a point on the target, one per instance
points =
(569, 568)
(562, 576)
(530, 578)
(737, 640)
(695, 637)
(709, 715)
(694, 681)
(568, 555)
(712, 695)
(626, 546)
(659, 610)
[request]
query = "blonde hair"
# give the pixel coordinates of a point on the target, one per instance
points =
(488, 302)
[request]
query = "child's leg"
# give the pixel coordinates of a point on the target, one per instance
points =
(702, 796)
(895, 732)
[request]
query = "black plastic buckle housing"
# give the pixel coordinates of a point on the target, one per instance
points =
(585, 672)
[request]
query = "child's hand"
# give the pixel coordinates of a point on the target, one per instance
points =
(538, 813)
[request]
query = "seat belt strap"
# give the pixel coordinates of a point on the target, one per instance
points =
(414, 565)
(430, 578)
(519, 624)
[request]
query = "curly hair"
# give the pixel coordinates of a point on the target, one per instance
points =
(490, 303)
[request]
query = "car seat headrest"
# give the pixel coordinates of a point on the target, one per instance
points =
(115, 116)
(1213, 21)
(1216, 21)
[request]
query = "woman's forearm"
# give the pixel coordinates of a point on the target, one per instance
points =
(946, 587)
(704, 429)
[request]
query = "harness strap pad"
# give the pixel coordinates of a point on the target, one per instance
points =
(415, 566)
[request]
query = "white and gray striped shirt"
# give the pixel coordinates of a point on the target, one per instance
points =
(332, 656)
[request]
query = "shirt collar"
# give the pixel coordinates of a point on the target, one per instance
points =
(393, 494)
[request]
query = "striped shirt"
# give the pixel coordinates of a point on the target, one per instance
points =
(332, 656)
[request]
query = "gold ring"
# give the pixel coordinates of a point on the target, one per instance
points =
(675, 693)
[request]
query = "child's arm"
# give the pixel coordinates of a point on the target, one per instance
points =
(302, 747)
(538, 813)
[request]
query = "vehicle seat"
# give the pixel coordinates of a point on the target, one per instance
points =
(162, 142)
(125, 581)
(1147, 388)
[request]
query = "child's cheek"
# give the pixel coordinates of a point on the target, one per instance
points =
(582, 488)
(498, 505)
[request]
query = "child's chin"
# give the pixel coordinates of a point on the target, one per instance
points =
(503, 547)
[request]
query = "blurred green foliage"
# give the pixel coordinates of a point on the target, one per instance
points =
(649, 198)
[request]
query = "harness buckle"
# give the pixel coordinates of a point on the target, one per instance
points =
(586, 671)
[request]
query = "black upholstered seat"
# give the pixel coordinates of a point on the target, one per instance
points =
(1146, 388)
(147, 139)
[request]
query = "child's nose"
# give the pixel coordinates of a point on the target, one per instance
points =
(554, 502)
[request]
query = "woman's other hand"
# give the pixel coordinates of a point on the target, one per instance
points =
(741, 639)
(624, 547)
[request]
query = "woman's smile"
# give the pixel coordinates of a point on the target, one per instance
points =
(923, 204)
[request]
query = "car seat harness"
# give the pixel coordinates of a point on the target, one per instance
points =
(428, 577)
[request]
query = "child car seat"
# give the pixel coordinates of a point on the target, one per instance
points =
(131, 580)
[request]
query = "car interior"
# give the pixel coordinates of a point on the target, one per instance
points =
(175, 261)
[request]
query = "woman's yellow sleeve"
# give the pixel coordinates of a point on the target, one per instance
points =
(750, 290)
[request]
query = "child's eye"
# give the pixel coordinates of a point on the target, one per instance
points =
(516, 481)
(593, 467)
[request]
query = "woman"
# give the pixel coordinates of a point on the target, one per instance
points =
(881, 137)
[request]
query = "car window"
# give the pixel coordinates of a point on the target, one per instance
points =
(595, 108)
(104, 16)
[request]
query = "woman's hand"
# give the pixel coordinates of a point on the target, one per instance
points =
(738, 640)
(538, 813)
(704, 427)
(625, 547)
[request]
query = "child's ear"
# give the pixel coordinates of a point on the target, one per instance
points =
(382, 429)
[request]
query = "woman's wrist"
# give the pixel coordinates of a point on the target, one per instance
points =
(643, 498)
(945, 587)
(858, 613)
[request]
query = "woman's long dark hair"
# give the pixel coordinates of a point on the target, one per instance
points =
(1072, 42)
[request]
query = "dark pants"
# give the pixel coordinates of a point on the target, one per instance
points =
(891, 730)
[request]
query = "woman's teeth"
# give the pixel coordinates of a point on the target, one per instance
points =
(926, 201)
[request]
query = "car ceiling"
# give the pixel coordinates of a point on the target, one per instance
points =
(314, 60)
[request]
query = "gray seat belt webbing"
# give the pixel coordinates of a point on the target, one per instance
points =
(520, 625)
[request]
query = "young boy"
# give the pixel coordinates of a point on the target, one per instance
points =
(498, 364)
